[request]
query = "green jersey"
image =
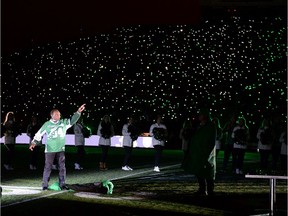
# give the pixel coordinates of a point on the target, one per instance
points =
(56, 132)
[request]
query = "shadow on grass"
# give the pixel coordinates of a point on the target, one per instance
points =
(227, 199)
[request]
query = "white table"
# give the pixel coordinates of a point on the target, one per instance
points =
(272, 187)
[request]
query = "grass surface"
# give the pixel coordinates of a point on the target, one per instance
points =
(140, 192)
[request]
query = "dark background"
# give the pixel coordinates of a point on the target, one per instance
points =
(33, 22)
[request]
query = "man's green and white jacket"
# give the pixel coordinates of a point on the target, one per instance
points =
(56, 132)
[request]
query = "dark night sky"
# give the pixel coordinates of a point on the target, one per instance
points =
(40, 21)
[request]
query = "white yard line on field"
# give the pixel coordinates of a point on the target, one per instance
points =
(20, 187)
(28, 200)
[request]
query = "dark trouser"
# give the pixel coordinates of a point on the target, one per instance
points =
(185, 155)
(104, 153)
(158, 154)
(10, 153)
(34, 155)
(128, 151)
(238, 158)
(264, 157)
(275, 155)
(227, 153)
(205, 184)
(49, 158)
(284, 163)
(80, 154)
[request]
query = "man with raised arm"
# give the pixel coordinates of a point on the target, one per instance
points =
(55, 129)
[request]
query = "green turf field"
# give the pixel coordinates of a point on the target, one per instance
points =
(137, 192)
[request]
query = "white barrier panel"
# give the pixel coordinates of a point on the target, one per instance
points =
(116, 141)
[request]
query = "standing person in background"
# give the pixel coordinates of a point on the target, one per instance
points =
(219, 134)
(240, 136)
(32, 129)
(11, 130)
(265, 138)
(228, 147)
(186, 133)
(105, 131)
(130, 133)
(55, 129)
(277, 127)
(80, 134)
(159, 134)
(284, 153)
(201, 159)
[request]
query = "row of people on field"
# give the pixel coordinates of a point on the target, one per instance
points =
(105, 130)
(267, 137)
(234, 137)
(130, 132)
(270, 141)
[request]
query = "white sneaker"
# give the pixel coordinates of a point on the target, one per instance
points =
(78, 167)
(129, 168)
(54, 167)
(8, 167)
(125, 168)
(156, 169)
(237, 171)
(32, 167)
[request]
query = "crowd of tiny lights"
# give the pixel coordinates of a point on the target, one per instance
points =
(175, 70)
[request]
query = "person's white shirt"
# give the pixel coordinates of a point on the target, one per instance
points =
(283, 144)
(260, 144)
(79, 137)
(237, 145)
(155, 141)
(102, 140)
(127, 141)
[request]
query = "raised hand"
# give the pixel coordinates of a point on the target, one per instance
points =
(81, 108)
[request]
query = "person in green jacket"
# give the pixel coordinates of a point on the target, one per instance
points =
(201, 158)
(55, 129)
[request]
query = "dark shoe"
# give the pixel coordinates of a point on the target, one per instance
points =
(45, 188)
(64, 187)
(211, 193)
(200, 193)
